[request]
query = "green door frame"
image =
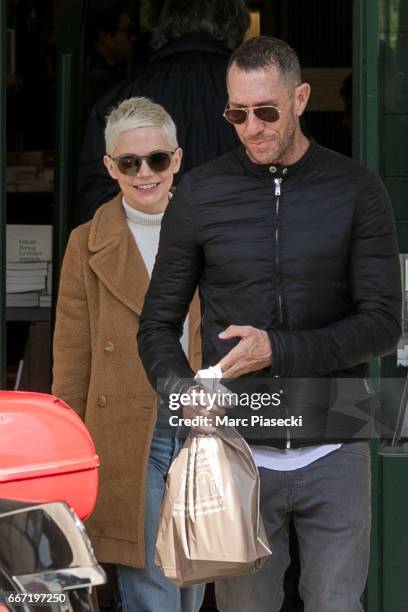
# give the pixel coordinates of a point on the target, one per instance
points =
(3, 202)
(366, 83)
(366, 150)
(68, 125)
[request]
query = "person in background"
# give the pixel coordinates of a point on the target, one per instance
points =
(293, 247)
(193, 43)
(110, 38)
(346, 94)
(97, 370)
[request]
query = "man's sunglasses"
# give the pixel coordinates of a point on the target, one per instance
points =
(158, 161)
(130, 30)
(236, 116)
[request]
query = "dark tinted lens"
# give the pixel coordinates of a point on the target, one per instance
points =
(270, 114)
(235, 115)
(130, 30)
(159, 161)
(128, 164)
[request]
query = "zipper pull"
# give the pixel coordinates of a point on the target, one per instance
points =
(277, 182)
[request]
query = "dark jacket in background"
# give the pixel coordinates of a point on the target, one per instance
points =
(102, 76)
(315, 265)
(187, 77)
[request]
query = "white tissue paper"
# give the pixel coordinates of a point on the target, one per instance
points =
(209, 378)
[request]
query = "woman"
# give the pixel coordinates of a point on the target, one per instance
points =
(97, 370)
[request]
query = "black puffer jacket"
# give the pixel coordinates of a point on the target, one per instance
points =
(187, 77)
(306, 252)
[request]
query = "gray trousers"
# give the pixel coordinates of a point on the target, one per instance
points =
(330, 504)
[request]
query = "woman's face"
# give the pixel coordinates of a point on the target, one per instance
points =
(148, 189)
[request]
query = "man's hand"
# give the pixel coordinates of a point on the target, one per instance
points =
(253, 352)
(200, 409)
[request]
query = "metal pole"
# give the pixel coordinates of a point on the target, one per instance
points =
(365, 83)
(3, 209)
(366, 150)
(68, 124)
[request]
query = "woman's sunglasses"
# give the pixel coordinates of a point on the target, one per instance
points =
(270, 114)
(158, 161)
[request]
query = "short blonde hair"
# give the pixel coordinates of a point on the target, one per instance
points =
(137, 113)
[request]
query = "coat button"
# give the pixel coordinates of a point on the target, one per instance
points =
(102, 401)
(272, 169)
(108, 348)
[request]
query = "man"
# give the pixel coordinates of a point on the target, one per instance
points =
(192, 43)
(111, 35)
(293, 248)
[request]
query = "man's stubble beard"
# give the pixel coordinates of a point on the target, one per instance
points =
(288, 140)
(285, 145)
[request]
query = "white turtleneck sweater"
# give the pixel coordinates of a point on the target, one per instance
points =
(145, 229)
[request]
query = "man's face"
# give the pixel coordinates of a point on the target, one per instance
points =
(266, 142)
(122, 39)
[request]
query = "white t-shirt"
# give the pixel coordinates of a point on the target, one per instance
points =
(289, 459)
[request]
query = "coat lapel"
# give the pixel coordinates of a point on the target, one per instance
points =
(117, 261)
(119, 265)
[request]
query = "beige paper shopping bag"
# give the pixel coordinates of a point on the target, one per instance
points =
(210, 526)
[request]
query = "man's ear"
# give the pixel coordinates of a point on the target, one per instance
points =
(111, 167)
(302, 94)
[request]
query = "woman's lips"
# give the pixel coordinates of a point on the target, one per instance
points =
(147, 187)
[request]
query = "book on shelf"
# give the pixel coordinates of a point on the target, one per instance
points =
(25, 243)
(29, 177)
(23, 287)
(45, 301)
(27, 266)
(49, 278)
(29, 299)
(16, 275)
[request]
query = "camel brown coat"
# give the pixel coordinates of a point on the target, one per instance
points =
(97, 371)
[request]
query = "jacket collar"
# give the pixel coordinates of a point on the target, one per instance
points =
(117, 261)
(268, 170)
(194, 41)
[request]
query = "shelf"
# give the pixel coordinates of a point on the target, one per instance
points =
(32, 188)
(28, 314)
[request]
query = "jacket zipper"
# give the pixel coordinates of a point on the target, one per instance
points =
(278, 182)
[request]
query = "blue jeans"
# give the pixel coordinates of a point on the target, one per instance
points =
(148, 590)
(330, 503)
